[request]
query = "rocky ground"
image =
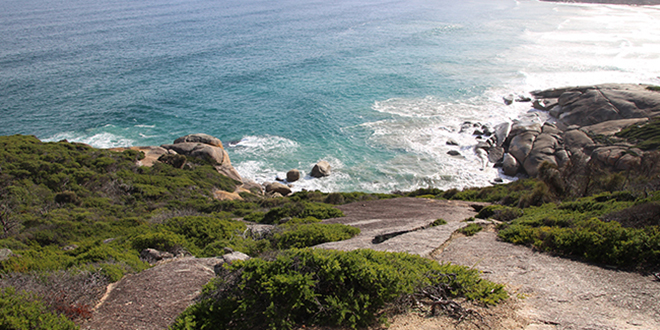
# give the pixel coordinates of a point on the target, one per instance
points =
(153, 298)
(548, 292)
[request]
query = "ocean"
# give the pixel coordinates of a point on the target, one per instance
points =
(374, 87)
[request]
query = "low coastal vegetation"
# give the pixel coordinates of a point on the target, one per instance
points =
(325, 287)
(85, 215)
(78, 218)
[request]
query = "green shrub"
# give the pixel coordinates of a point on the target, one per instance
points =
(500, 212)
(302, 210)
(310, 234)
(426, 196)
(470, 229)
(594, 240)
(22, 311)
(646, 136)
(162, 241)
(36, 259)
(438, 222)
(255, 217)
(425, 192)
(202, 231)
(113, 272)
(323, 287)
(334, 198)
(320, 211)
(573, 228)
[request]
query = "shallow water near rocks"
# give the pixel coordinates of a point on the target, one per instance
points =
(376, 88)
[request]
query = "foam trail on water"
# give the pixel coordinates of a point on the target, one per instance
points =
(102, 140)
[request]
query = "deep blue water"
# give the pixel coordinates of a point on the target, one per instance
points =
(374, 87)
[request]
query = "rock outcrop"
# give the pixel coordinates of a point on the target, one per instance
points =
(228, 258)
(202, 146)
(589, 105)
(579, 115)
(152, 255)
(5, 254)
(276, 187)
(206, 147)
(321, 169)
(293, 175)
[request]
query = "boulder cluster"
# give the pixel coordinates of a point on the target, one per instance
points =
(579, 117)
(283, 187)
(210, 148)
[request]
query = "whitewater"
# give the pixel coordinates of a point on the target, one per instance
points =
(376, 88)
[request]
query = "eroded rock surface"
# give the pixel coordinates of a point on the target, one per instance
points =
(560, 293)
(581, 115)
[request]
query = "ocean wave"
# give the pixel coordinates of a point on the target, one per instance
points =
(102, 140)
(261, 145)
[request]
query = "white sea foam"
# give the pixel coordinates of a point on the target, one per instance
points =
(422, 128)
(260, 145)
(98, 140)
(263, 172)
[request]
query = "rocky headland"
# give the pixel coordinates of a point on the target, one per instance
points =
(581, 127)
(210, 148)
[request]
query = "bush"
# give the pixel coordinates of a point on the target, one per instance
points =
(302, 210)
(470, 229)
(304, 235)
(22, 311)
(334, 198)
(323, 287)
(500, 212)
(638, 216)
(162, 241)
(573, 228)
(438, 222)
(425, 192)
(202, 231)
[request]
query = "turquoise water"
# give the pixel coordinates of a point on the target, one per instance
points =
(374, 87)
